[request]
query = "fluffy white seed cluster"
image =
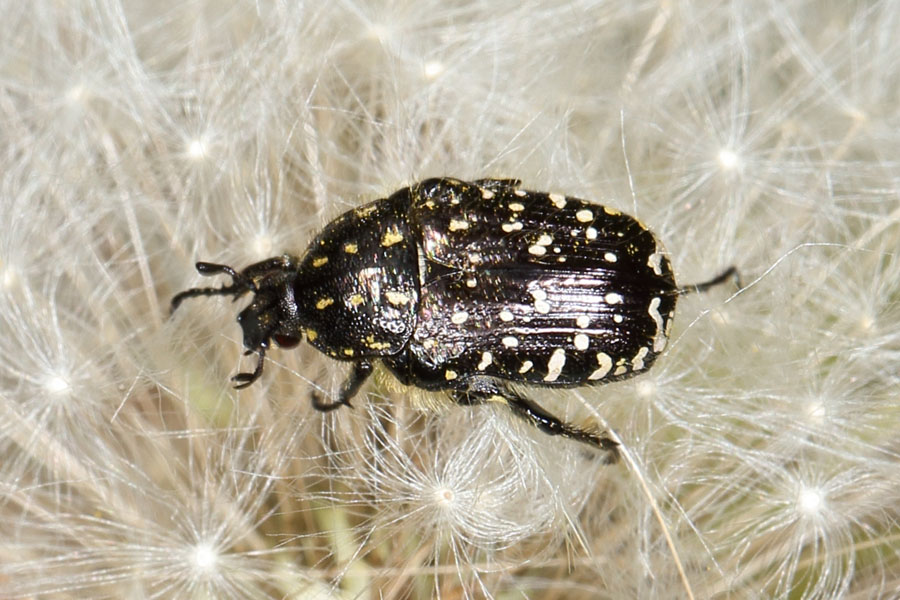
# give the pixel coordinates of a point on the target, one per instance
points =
(759, 452)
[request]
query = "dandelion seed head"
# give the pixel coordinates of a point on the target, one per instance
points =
(9, 277)
(815, 410)
(57, 384)
(380, 32)
(433, 69)
(76, 94)
(204, 557)
(646, 388)
(809, 501)
(197, 149)
(263, 245)
(756, 134)
(729, 159)
(444, 496)
(866, 323)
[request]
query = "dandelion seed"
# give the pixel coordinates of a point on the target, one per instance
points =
(728, 159)
(810, 501)
(56, 384)
(197, 149)
(263, 244)
(433, 69)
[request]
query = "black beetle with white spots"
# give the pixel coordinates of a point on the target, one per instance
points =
(468, 287)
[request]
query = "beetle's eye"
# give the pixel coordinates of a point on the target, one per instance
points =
(286, 341)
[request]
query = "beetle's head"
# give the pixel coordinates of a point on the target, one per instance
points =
(272, 315)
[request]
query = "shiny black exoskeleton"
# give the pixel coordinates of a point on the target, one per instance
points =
(466, 286)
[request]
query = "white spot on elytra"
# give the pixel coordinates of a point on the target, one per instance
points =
(556, 364)
(457, 224)
(583, 321)
(526, 366)
(604, 364)
(611, 211)
(540, 301)
(613, 298)
(610, 257)
(450, 374)
(459, 318)
(510, 227)
(590, 233)
(654, 262)
(537, 250)
(618, 318)
(584, 216)
(506, 315)
(516, 207)
(471, 282)
(544, 240)
(659, 340)
(637, 363)
(486, 359)
(558, 201)
(582, 342)
(520, 193)
(486, 193)
(510, 341)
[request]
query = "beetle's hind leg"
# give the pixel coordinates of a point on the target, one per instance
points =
(540, 418)
(361, 372)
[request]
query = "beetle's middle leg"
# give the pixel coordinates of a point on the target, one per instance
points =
(361, 372)
(540, 418)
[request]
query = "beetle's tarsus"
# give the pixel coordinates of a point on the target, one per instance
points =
(244, 379)
(320, 405)
(696, 288)
(361, 372)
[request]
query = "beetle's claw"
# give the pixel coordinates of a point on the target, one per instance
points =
(320, 405)
(244, 379)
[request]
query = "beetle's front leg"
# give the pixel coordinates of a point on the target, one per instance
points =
(361, 372)
(540, 418)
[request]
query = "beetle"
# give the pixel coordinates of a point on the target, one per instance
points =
(469, 287)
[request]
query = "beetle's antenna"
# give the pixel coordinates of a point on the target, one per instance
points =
(241, 284)
(696, 288)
